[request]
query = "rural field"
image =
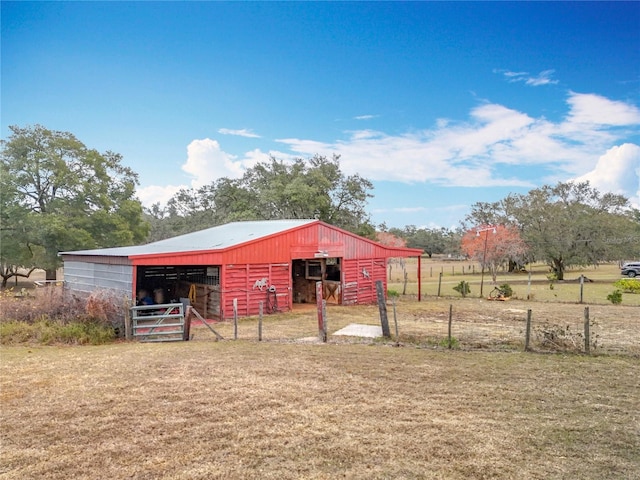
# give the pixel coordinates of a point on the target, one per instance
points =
(243, 409)
(291, 407)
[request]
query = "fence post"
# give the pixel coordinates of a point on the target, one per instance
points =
(127, 318)
(235, 318)
(260, 321)
(395, 319)
(587, 333)
(529, 286)
(324, 321)
(439, 283)
(321, 312)
(382, 307)
(527, 335)
(450, 320)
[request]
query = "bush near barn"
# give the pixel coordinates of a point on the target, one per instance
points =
(53, 315)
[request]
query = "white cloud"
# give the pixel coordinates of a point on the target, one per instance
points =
(594, 109)
(241, 133)
(478, 152)
(365, 117)
(495, 146)
(206, 162)
(617, 171)
(543, 78)
(157, 194)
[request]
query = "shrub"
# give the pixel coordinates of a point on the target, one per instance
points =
(49, 332)
(628, 285)
(392, 293)
(463, 288)
(54, 315)
(506, 289)
(562, 338)
(615, 297)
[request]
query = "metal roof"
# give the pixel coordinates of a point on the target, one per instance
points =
(214, 238)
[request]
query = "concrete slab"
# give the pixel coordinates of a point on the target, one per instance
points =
(358, 330)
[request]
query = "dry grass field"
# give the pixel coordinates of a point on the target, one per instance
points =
(243, 409)
(290, 407)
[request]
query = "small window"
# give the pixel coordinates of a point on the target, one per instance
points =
(313, 270)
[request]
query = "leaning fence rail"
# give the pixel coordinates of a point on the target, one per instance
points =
(159, 323)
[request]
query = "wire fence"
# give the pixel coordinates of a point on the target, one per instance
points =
(463, 324)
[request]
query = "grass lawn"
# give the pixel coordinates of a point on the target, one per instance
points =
(243, 409)
(599, 283)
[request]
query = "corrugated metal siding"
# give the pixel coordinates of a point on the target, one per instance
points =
(87, 277)
(97, 259)
(360, 278)
(249, 284)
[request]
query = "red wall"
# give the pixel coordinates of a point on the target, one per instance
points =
(303, 242)
(246, 283)
(357, 288)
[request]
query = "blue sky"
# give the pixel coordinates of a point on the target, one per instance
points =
(439, 104)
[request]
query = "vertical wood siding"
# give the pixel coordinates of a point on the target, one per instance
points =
(358, 288)
(250, 285)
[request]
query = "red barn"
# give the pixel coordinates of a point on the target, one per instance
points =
(277, 262)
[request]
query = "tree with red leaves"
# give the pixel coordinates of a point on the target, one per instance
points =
(494, 246)
(390, 240)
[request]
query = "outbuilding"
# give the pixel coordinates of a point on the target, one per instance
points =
(277, 262)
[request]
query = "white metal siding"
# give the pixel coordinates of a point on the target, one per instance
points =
(86, 277)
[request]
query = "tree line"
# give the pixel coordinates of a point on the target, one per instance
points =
(57, 194)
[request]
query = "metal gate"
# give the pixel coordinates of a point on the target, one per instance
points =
(159, 323)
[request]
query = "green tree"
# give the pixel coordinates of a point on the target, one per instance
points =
(431, 240)
(569, 224)
(71, 197)
(304, 188)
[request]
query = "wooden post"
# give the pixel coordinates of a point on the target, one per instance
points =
(324, 321)
(419, 278)
(186, 334)
(382, 307)
(260, 321)
(587, 333)
(439, 283)
(395, 319)
(404, 285)
(581, 288)
(450, 320)
(235, 318)
(529, 286)
(527, 334)
(430, 272)
(453, 270)
(127, 318)
(194, 312)
(320, 312)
